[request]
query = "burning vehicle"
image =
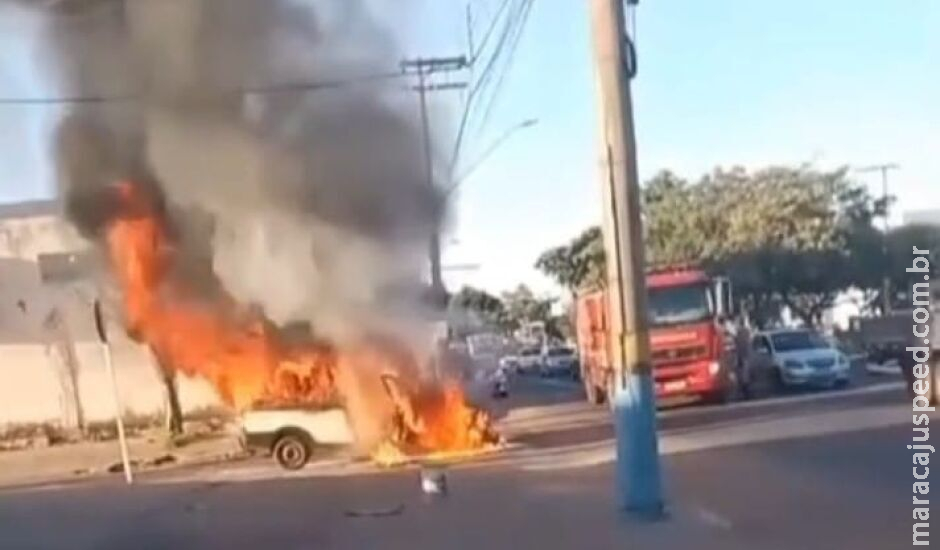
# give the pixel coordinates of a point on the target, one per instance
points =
(229, 202)
(293, 436)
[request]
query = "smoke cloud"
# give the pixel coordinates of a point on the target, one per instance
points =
(310, 203)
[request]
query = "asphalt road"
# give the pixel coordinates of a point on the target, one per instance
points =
(689, 414)
(848, 491)
(819, 470)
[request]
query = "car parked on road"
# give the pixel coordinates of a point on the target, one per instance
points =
(559, 361)
(529, 360)
(797, 358)
(293, 435)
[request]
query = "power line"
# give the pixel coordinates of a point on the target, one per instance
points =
(512, 22)
(519, 31)
(268, 89)
(490, 30)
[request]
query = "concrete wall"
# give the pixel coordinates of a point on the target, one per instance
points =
(34, 387)
(28, 237)
(34, 384)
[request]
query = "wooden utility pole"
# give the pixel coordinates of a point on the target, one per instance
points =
(423, 69)
(633, 397)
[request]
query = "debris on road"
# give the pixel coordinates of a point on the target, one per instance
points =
(376, 512)
(434, 481)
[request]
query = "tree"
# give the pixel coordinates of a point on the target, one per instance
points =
(900, 247)
(59, 342)
(174, 412)
(787, 236)
(524, 308)
(488, 309)
(581, 263)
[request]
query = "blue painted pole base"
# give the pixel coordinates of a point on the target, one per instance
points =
(639, 486)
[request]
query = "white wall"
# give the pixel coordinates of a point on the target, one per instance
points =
(28, 237)
(31, 387)
(31, 372)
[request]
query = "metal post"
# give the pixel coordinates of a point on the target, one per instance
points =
(638, 473)
(109, 365)
(886, 282)
(884, 240)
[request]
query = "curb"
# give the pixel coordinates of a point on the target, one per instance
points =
(874, 368)
(102, 473)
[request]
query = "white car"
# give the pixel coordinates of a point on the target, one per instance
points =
(293, 435)
(529, 360)
(798, 357)
(559, 361)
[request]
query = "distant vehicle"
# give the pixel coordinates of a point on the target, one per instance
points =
(559, 361)
(886, 338)
(529, 360)
(692, 352)
(484, 349)
(293, 435)
(509, 363)
(797, 357)
(500, 383)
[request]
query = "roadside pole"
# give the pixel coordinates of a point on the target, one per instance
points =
(886, 281)
(109, 365)
(639, 485)
(423, 69)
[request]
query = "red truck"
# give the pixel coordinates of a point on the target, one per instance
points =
(691, 352)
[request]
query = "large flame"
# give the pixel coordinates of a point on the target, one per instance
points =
(249, 362)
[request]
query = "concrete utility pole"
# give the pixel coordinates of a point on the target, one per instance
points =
(423, 68)
(884, 168)
(638, 472)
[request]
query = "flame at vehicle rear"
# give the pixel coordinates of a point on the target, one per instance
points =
(248, 360)
(270, 232)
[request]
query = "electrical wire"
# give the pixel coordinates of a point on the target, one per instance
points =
(490, 30)
(510, 27)
(517, 37)
(269, 89)
(631, 63)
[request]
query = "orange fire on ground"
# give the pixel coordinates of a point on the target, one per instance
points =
(248, 360)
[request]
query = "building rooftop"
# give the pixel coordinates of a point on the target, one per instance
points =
(29, 209)
(929, 217)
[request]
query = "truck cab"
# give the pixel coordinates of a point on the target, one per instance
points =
(691, 352)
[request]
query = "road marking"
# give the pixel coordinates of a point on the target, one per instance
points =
(745, 433)
(713, 519)
(889, 368)
(790, 399)
(581, 414)
(690, 439)
(562, 384)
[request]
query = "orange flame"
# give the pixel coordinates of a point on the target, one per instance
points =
(245, 358)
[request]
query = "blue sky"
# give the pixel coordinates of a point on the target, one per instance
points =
(720, 83)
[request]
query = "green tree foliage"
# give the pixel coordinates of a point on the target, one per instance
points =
(488, 309)
(788, 236)
(524, 307)
(579, 263)
(900, 253)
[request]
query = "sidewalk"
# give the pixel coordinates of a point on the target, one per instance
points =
(74, 461)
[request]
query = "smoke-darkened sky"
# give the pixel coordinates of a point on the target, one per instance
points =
(738, 82)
